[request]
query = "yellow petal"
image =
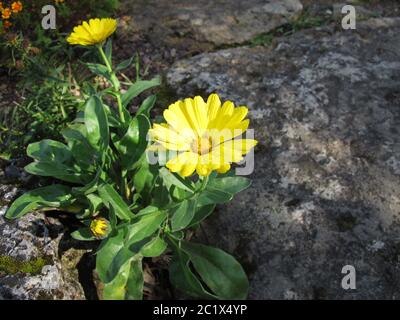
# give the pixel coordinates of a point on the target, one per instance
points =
(185, 163)
(93, 32)
(168, 138)
(213, 105)
(203, 170)
(176, 117)
(224, 168)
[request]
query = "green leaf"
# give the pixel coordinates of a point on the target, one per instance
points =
(49, 150)
(128, 283)
(96, 123)
(160, 196)
(219, 270)
(108, 250)
(182, 277)
(213, 196)
(170, 179)
(201, 213)
(147, 105)
(137, 88)
(183, 214)
(144, 226)
(54, 196)
(124, 64)
(135, 283)
(145, 177)
(83, 234)
(82, 152)
(134, 143)
(229, 184)
(154, 248)
(54, 169)
(116, 288)
(99, 70)
(89, 187)
(110, 196)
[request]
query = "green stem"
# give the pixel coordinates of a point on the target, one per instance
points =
(64, 114)
(103, 55)
(115, 83)
(204, 183)
(124, 184)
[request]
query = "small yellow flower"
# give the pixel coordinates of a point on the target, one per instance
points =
(99, 227)
(94, 32)
(16, 6)
(203, 134)
(1, 6)
(6, 13)
(59, 1)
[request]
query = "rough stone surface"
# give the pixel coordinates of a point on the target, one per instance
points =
(211, 22)
(325, 105)
(163, 32)
(31, 237)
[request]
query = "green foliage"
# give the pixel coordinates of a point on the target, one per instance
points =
(148, 208)
(10, 265)
(49, 103)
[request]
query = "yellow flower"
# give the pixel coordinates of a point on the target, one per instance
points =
(94, 32)
(16, 6)
(1, 6)
(205, 135)
(99, 227)
(6, 13)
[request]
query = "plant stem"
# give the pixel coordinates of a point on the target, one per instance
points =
(204, 183)
(64, 114)
(115, 83)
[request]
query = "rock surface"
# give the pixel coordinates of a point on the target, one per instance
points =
(36, 236)
(325, 106)
(215, 22)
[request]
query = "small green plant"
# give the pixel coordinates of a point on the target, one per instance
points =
(51, 97)
(141, 209)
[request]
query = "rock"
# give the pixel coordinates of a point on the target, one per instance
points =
(31, 257)
(204, 23)
(325, 106)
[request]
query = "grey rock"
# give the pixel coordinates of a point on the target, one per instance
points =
(202, 22)
(325, 106)
(29, 238)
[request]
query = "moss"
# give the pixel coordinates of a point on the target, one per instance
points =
(10, 265)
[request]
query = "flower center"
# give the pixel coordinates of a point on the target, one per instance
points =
(202, 145)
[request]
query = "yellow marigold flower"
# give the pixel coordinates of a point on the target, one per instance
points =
(1, 5)
(99, 227)
(6, 13)
(16, 6)
(94, 32)
(204, 135)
